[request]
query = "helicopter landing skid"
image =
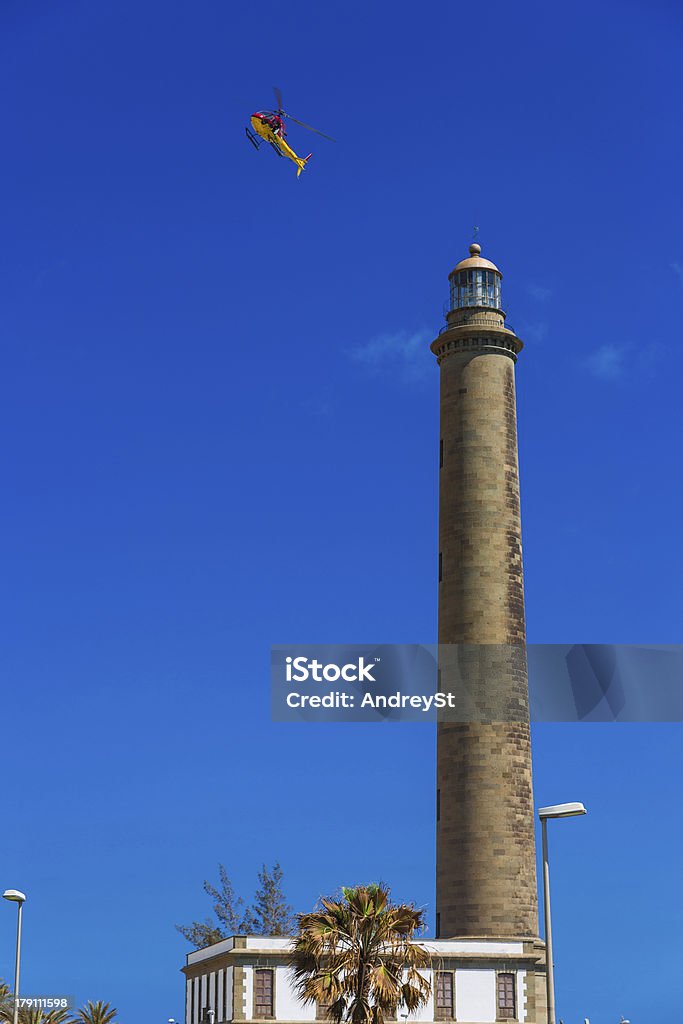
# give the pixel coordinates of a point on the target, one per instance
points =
(256, 142)
(253, 138)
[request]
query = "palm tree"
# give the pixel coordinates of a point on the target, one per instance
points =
(96, 1013)
(354, 956)
(38, 1015)
(6, 1006)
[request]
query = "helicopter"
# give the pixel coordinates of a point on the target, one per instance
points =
(269, 126)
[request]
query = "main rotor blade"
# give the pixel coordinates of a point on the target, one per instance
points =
(316, 130)
(278, 99)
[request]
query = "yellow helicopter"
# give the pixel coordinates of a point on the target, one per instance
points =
(269, 126)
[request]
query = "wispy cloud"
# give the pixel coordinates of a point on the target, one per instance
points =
(534, 330)
(409, 351)
(619, 362)
(607, 362)
(678, 269)
(539, 292)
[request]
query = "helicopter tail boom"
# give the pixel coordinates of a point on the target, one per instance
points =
(301, 163)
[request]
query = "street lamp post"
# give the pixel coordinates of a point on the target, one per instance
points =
(556, 811)
(14, 896)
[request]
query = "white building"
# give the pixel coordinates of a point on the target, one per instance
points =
(246, 979)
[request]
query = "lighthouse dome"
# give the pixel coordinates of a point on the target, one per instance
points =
(475, 261)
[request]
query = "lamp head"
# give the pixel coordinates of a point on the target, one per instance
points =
(14, 896)
(561, 811)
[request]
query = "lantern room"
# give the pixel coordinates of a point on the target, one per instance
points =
(475, 282)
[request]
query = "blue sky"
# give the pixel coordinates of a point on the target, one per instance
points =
(220, 425)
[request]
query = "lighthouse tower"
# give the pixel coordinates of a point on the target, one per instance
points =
(488, 964)
(486, 874)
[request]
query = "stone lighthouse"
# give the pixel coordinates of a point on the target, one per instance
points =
(488, 964)
(486, 874)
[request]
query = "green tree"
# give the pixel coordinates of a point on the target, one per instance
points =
(96, 1013)
(39, 1015)
(354, 955)
(201, 933)
(228, 909)
(6, 1005)
(271, 914)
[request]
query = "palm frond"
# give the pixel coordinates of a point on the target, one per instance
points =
(96, 1013)
(356, 956)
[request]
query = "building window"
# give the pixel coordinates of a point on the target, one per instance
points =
(443, 1009)
(507, 1009)
(263, 992)
(440, 567)
(438, 926)
(441, 455)
(438, 805)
